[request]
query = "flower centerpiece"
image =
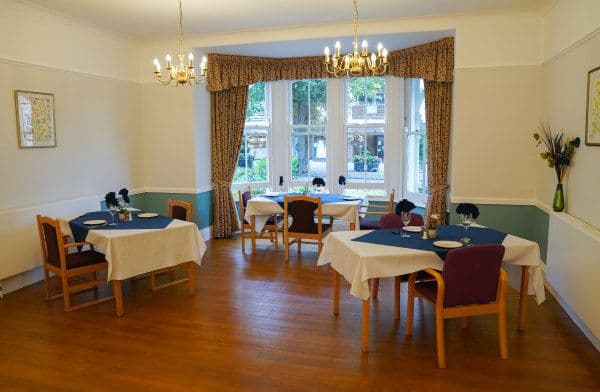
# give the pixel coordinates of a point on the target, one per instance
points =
(559, 152)
(432, 225)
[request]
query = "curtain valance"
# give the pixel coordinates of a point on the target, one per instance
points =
(433, 61)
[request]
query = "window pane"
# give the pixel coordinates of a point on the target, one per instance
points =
(375, 100)
(300, 157)
(256, 112)
(416, 141)
(318, 101)
(300, 110)
(253, 160)
(239, 175)
(318, 155)
(365, 152)
(355, 100)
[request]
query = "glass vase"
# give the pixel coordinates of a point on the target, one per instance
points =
(558, 204)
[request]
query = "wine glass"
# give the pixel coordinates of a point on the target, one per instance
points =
(112, 209)
(342, 187)
(466, 222)
(405, 216)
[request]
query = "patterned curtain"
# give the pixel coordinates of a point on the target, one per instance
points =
(438, 104)
(228, 114)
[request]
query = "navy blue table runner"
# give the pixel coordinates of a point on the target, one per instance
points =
(80, 230)
(478, 236)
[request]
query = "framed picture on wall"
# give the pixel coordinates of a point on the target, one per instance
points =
(35, 119)
(592, 123)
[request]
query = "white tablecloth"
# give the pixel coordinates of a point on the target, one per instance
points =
(358, 262)
(263, 208)
(135, 252)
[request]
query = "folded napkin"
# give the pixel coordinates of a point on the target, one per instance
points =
(318, 181)
(342, 180)
(280, 180)
(125, 195)
(468, 209)
(111, 199)
(404, 205)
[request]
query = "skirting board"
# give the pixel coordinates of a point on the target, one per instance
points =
(580, 324)
(35, 275)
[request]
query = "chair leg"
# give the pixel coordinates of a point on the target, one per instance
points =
(502, 331)
(286, 243)
(299, 244)
(243, 240)
(375, 288)
(95, 276)
(396, 298)
(439, 334)
(47, 284)
(152, 280)
(253, 233)
(191, 278)
(276, 235)
(464, 322)
(410, 308)
(66, 294)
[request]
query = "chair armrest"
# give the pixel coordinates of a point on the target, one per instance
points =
(79, 244)
(441, 289)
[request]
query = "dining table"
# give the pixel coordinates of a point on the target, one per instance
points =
(360, 256)
(137, 246)
(343, 207)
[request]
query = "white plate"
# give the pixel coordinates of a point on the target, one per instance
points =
(272, 194)
(148, 215)
(448, 244)
(412, 229)
(351, 198)
(94, 222)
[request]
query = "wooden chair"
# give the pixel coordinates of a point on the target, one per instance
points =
(302, 209)
(66, 265)
(247, 229)
(377, 211)
(472, 283)
(182, 210)
(394, 221)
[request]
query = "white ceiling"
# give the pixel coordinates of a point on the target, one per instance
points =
(146, 19)
(314, 47)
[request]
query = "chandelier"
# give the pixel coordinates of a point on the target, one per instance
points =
(357, 63)
(182, 73)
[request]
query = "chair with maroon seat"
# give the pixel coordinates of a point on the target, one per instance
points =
(66, 265)
(247, 228)
(376, 211)
(302, 210)
(472, 283)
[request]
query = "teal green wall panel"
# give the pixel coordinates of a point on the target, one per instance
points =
(157, 202)
(524, 221)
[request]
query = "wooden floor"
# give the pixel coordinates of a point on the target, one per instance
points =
(258, 324)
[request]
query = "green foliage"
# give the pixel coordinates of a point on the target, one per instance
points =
(295, 166)
(258, 172)
(256, 100)
(366, 157)
(302, 114)
(373, 90)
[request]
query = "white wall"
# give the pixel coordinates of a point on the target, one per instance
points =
(98, 124)
(572, 48)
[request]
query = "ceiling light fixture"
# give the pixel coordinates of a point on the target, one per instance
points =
(356, 63)
(182, 73)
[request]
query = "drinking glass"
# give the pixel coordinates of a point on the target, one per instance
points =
(342, 187)
(112, 209)
(405, 216)
(466, 222)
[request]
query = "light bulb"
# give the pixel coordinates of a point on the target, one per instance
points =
(365, 44)
(326, 51)
(338, 45)
(379, 46)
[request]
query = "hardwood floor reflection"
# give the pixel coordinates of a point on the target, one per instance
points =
(259, 324)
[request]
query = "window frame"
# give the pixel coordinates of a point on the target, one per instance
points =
(260, 126)
(409, 130)
(290, 126)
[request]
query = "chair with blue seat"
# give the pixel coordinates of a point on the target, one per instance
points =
(471, 283)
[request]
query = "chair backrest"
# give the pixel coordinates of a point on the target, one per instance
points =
(471, 274)
(391, 202)
(302, 209)
(243, 197)
(51, 241)
(181, 210)
(394, 221)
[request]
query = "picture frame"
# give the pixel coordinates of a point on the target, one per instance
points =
(592, 112)
(35, 114)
